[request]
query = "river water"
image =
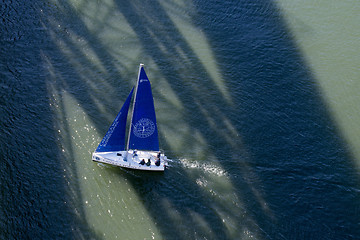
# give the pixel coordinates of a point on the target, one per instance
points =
(257, 105)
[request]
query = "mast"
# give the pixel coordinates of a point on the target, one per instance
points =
(133, 107)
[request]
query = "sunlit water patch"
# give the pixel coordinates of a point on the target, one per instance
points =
(328, 34)
(106, 196)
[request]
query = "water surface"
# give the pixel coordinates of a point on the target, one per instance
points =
(255, 106)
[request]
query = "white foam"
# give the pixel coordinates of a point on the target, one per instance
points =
(210, 167)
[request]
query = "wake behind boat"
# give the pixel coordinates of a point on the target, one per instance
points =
(142, 148)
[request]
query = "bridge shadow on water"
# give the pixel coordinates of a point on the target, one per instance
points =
(289, 169)
(33, 203)
(288, 164)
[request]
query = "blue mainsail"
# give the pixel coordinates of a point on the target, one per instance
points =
(143, 133)
(114, 139)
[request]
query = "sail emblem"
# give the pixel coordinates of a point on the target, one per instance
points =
(144, 128)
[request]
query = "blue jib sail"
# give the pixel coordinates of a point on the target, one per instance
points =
(143, 129)
(114, 139)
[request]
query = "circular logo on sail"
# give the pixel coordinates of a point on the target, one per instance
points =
(144, 128)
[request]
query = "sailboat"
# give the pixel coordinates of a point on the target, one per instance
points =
(141, 148)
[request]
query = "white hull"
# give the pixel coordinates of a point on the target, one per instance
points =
(128, 159)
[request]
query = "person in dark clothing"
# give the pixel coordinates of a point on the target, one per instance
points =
(157, 162)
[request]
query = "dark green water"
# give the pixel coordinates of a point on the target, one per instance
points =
(257, 150)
